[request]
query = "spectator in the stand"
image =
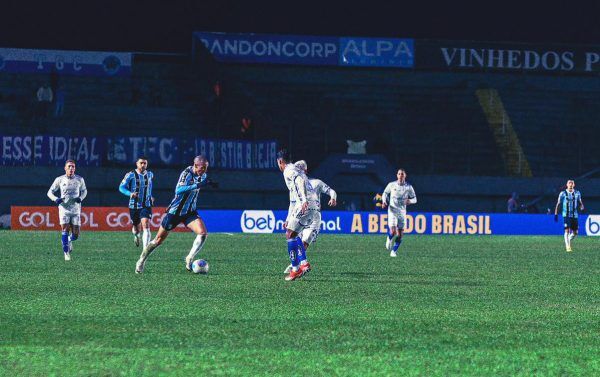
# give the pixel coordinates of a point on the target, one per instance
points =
(44, 99)
(247, 130)
(59, 101)
(513, 203)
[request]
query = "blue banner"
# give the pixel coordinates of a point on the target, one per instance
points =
(80, 63)
(238, 155)
(221, 154)
(377, 52)
(267, 48)
(308, 50)
(51, 150)
(160, 151)
(338, 222)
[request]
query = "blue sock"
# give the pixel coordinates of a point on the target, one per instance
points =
(301, 250)
(73, 237)
(390, 236)
(397, 243)
(293, 252)
(65, 241)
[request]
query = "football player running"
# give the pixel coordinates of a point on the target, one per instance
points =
(304, 213)
(396, 196)
(182, 210)
(72, 191)
(137, 185)
(310, 233)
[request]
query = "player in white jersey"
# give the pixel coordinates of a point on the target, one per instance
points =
(303, 215)
(68, 191)
(397, 195)
(310, 233)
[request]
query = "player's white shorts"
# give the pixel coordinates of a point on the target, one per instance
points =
(396, 219)
(310, 233)
(300, 221)
(68, 217)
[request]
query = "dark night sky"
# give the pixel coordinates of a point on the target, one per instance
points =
(162, 26)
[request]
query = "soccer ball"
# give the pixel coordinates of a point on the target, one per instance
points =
(200, 266)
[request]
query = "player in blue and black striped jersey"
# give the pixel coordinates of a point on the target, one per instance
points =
(182, 210)
(137, 185)
(570, 199)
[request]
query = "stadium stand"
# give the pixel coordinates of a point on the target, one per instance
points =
(159, 99)
(430, 123)
(319, 108)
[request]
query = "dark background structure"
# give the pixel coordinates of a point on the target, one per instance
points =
(163, 26)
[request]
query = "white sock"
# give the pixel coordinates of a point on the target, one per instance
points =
(148, 250)
(135, 231)
(197, 246)
(567, 240)
(146, 237)
(571, 236)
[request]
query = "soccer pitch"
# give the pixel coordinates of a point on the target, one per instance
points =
(452, 305)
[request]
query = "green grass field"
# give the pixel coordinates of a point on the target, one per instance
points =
(453, 305)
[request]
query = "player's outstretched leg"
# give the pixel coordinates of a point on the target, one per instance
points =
(161, 235)
(197, 226)
(196, 247)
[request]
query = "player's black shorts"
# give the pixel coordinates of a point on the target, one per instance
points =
(571, 223)
(171, 221)
(138, 214)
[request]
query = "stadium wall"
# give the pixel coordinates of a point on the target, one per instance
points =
(266, 190)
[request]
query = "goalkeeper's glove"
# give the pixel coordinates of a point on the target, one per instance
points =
(555, 218)
(77, 200)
